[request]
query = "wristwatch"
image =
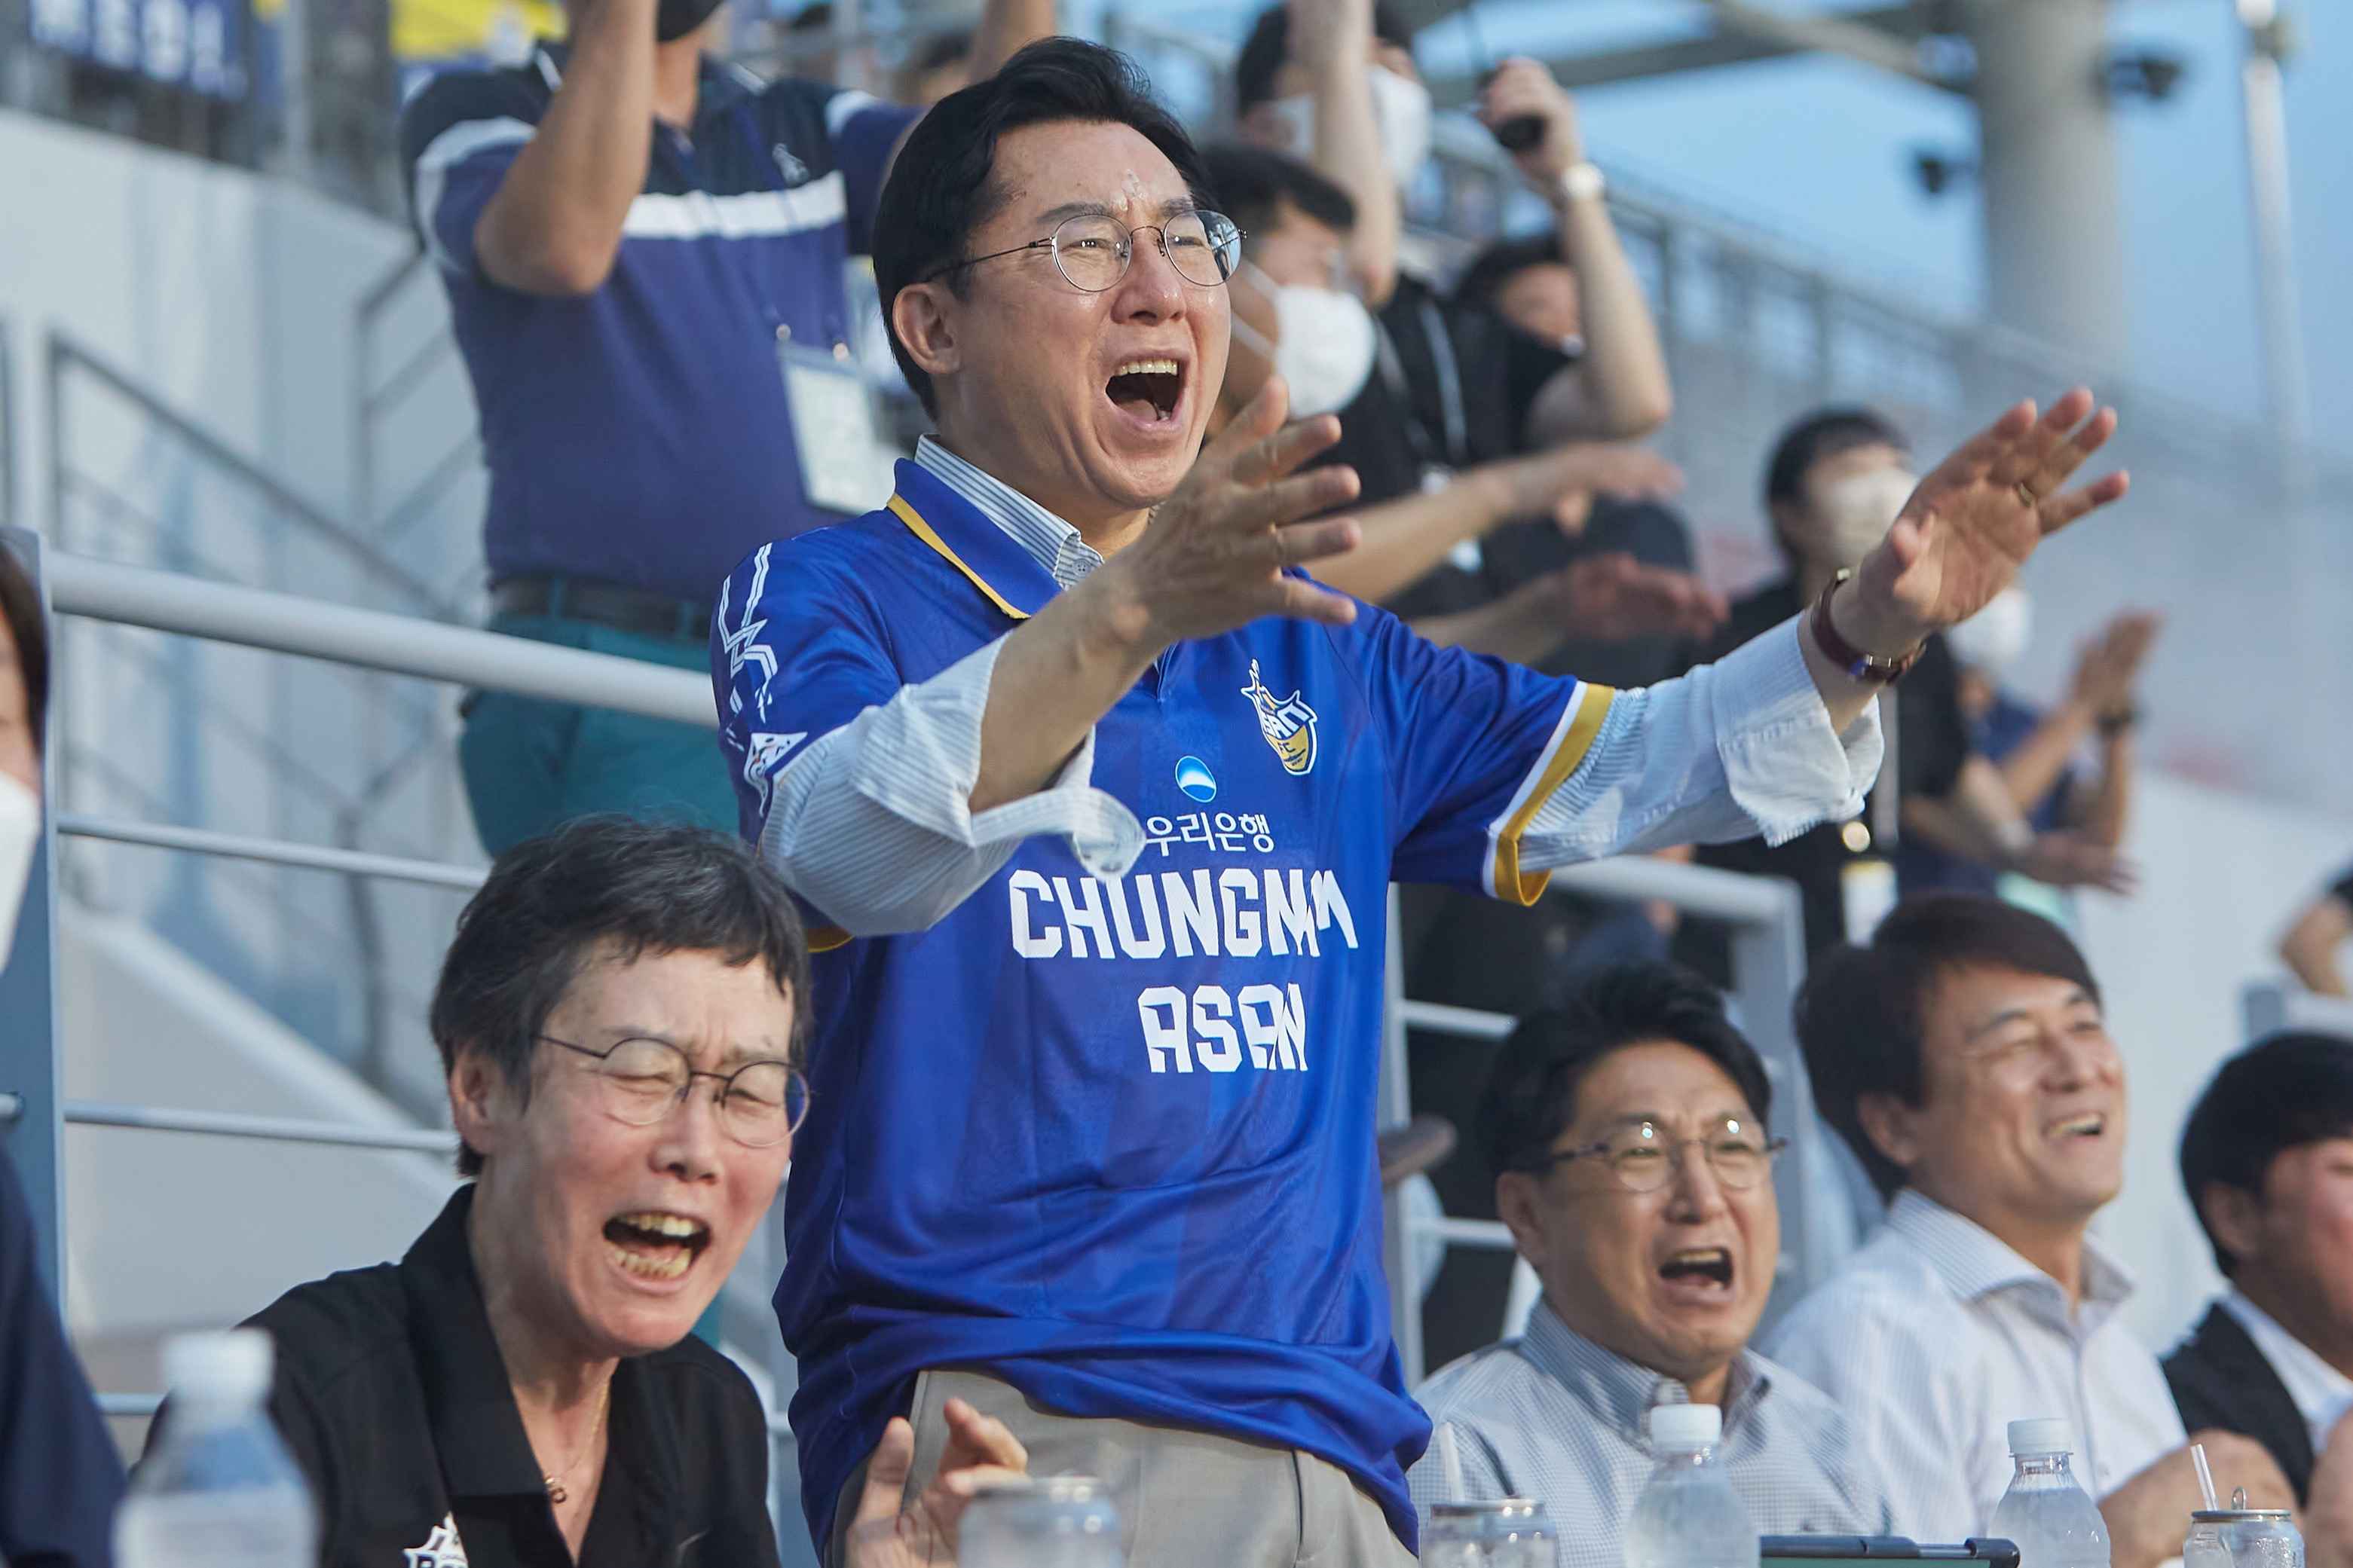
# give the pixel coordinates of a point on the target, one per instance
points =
(1869, 668)
(1582, 182)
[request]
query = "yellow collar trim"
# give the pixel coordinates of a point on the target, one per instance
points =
(924, 531)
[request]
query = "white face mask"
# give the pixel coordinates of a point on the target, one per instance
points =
(1857, 512)
(1997, 636)
(20, 834)
(1326, 348)
(1401, 114)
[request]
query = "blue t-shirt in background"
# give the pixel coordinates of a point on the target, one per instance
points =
(640, 435)
(1111, 1139)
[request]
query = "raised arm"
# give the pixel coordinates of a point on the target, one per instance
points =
(1620, 388)
(555, 226)
(1007, 27)
(1333, 40)
(1403, 539)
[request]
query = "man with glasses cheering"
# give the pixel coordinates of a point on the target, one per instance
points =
(1630, 1130)
(1096, 799)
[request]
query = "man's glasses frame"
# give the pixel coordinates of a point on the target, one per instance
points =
(648, 1112)
(1650, 1177)
(1221, 243)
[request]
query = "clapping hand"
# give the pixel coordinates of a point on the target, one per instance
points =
(2108, 667)
(1524, 89)
(1562, 483)
(1613, 597)
(1975, 519)
(883, 1534)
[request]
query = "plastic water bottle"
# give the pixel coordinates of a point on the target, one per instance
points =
(2045, 1512)
(220, 1490)
(1688, 1515)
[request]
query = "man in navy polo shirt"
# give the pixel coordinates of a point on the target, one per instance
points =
(1101, 797)
(641, 247)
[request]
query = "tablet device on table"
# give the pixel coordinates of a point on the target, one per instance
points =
(1852, 1551)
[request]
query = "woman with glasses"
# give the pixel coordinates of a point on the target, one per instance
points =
(1628, 1134)
(620, 1019)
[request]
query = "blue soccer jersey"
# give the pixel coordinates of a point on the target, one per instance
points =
(1112, 1138)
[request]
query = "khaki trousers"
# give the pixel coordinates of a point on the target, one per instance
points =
(1185, 1498)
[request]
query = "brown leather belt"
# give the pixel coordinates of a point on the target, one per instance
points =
(603, 604)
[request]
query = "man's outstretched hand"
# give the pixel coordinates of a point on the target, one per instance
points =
(1974, 521)
(884, 1535)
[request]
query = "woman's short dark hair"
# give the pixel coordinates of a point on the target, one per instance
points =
(1862, 1015)
(639, 888)
(20, 608)
(1531, 1093)
(1251, 184)
(943, 184)
(1269, 45)
(1504, 260)
(1823, 434)
(2281, 1093)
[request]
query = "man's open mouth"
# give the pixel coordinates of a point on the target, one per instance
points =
(2092, 1124)
(1147, 389)
(1706, 1265)
(653, 1245)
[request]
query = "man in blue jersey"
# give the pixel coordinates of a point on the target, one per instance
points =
(1100, 797)
(644, 253)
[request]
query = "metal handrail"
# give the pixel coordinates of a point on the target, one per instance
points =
(272, 851)
(65, 352)
(374, 639)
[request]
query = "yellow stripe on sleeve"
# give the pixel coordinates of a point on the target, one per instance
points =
(825, 938)
(1511, 883)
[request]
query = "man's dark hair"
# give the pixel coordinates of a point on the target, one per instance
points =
(1503, 262)
(944, 185)
(1251, 184)
(2281, 1093)
(1863, 1013)
(1825, 433)
(811, 18)
(1531, 1093)
(605, 881)
(1269, 45)
(20, 608)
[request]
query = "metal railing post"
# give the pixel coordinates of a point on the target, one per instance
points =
(30, 1061)
(1818, 1226)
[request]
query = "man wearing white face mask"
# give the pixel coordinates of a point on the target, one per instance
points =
(1294, 312)
(60, 1479)
(2039, 752)
(1834, 484)
(1334, 81)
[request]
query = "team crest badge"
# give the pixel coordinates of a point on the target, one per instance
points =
(442, 1549)
(1289, 725)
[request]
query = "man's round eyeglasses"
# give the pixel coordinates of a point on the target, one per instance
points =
(1091, 250)
(642, 1081)
(1644, 1158)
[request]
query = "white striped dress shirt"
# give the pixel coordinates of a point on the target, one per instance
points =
(1554, 1416)
(871, 822)
(1935, 1336)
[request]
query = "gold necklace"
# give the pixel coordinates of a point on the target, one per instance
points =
(555, 1483)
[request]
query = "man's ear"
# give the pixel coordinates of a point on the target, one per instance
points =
(920, 315)
(1892, 1126)
(483, 1106)
(1517, 1202)
(2235, 1216)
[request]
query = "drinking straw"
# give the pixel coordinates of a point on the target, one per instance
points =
(2205, 1476)
(1450, 1462)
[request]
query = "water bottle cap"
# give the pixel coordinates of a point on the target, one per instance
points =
(1679, 1428)
(229, 1367)
(2041, 1436)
